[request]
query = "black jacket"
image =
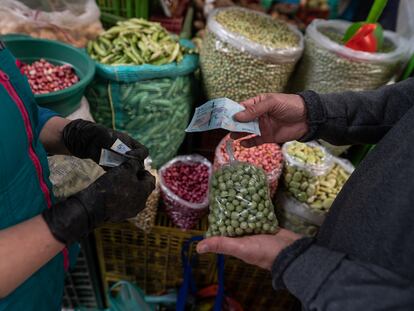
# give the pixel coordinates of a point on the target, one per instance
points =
(363, 256)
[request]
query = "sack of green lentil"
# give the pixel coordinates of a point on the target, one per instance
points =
(245, 53)
(304, 163)
(240, 202)
(328, 66)
(143, 85)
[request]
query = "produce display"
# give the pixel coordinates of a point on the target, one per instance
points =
(184, 189)
(328, 66)
(296, 216)
(245, 53)
(240, 202)
(136, 42)
(155, 112)
(267, 157)
(45, 77)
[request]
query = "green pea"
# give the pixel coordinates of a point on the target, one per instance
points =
(222, 230)
(230, 207)
(244, 182)
(222, 186)
(266, 227)
(262, 193)
(253, 205)
(259, 215)
(214, 182)
(230, 229)
(267, 203)
(239, 231)
(239, 208)
(297, 176)
(232, 192)
(234, 215)
(261, 207)
(256, 197)
(251, 218)
(252, 190)
(271, 216)
(248, 230)
(229, 183)
(234, 223)
(227, 222)
(266, 211)
(252, 225)
(243, 225)
(236, 202)
(224, 194)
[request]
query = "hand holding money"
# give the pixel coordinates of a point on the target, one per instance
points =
(281, 118)
(218, 113)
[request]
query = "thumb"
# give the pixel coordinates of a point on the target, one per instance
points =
(255, 107)
(221, 245)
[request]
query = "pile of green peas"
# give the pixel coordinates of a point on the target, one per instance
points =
(240, 203)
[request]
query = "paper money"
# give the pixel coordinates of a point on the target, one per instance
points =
(114, 156)
(218, 113)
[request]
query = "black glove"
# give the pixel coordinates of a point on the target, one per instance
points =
(119, 194)
(85, 139)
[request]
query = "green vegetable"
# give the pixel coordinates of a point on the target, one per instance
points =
(243, 213)
(136, 42)
(144, 110)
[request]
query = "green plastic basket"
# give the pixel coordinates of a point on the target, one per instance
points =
(114, 10)
(28, 50)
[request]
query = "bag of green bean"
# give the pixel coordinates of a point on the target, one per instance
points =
(245, 53)
(151, 103)
(240, 202)
(329, 66)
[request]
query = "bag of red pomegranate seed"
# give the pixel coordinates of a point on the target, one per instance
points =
(184, 183)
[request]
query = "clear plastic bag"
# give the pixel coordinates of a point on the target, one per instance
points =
(237, 67)
(267, 157)
(240, 202)
(296, 216)
(328, 66)
(184, 213)
(72, 21)
(301, 178)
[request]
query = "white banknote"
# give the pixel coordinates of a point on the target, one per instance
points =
(218, 113)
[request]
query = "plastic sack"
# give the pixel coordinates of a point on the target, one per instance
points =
(299, 177)
(238, 68)
(328, 66)
(71, 21)
(151, 103)
(183, 213)
(83, 112)
(267, 157)
(240, 202)
(70, 175)
(296, 216)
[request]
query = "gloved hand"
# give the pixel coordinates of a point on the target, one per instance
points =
(85, 139)
(119, 194)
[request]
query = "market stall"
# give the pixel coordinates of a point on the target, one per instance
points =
(146, 68)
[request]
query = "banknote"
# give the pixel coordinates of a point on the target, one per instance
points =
(218, 113)
(114, 156)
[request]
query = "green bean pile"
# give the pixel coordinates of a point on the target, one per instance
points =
(240, 203)
(136, 42)
(155, 112)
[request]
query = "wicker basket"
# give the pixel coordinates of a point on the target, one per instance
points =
(153, 262)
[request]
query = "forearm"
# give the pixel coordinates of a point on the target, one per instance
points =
(357, 117)
(51, 135)
(326, 280)
(24, 249)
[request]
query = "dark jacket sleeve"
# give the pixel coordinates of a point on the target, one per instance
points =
(326, 280)
(357, 117)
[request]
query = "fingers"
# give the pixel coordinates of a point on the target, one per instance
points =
(252, 142)
(134, 165)
(222, 245)
(255, 107)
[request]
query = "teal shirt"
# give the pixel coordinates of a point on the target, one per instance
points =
(25, 189)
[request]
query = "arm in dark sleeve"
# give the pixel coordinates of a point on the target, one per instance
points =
(326, 280)
(357, 117)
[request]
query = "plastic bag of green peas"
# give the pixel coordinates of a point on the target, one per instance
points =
(240, 202)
